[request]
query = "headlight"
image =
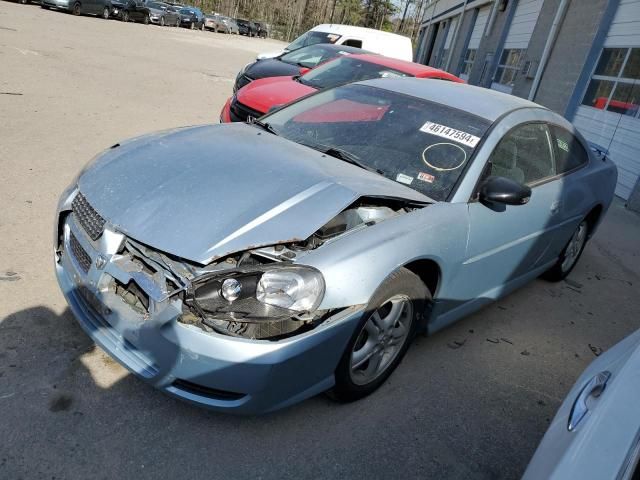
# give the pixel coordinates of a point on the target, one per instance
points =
(298, 289)
(272, 293)
(269, 301)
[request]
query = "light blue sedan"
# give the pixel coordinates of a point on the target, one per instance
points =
(246, 267)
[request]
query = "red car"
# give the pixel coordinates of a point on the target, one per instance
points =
(260, 96)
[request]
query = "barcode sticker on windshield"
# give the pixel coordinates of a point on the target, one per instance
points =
(450, 133)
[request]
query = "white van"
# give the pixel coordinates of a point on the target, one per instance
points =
(376, 41)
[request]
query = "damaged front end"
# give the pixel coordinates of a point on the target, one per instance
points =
(261, 293)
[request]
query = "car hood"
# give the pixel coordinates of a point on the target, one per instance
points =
(263, 94)
(204, 192)
(271, 68)
(276, 53)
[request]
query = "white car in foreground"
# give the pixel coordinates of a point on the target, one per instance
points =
(596, 432)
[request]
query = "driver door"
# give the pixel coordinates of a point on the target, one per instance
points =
(508, 243)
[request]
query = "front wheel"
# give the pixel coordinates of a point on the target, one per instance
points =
(570, 255)
(76, 9)
(202, 27)
(382, 337)
(192, 26)
(105, 13)
(146, 20)
(125, 16)
(162, 21)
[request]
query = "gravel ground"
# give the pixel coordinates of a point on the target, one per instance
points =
(470, 402)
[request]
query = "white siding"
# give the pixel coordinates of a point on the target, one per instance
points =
(618, 133)
(523, 23)
(625, 28)
(478, 28)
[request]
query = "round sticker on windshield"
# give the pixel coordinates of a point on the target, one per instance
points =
(444, 157)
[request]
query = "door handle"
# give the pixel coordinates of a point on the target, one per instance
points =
(555, 207)
(593, 388)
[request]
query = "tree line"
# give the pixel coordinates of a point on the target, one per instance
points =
(289, 18)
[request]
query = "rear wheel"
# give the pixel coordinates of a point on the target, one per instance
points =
(76, 9)
(382, 336)
(105, 13)
(570, 255)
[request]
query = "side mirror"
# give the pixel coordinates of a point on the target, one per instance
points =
(504, 191)
(304, 70)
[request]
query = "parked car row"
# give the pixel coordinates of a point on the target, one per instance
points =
(157, 12)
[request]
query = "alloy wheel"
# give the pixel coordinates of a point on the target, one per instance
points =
(574, 247)
(381, 339)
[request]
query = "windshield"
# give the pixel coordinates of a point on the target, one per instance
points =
(311, 56)
(346, 70)
(422, 144)
(311, 38)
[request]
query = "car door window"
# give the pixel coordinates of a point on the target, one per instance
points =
(570, 154)
(524, 155)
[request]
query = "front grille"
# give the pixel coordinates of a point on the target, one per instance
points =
(242, 81)
(239, 112)
(79, 253)
(86, 216)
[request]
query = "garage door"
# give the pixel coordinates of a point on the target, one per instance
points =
(524, 21)
(610, 110)
(474, 41)
(478, 27)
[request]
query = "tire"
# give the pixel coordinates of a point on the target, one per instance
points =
(146, 20)
(23, 2)
(202, 27)
(162, 21)
(76, 9)
(46, 7)
(192, 26)
(570, 255)
(397, 305)
(125, 16)
(105, 13)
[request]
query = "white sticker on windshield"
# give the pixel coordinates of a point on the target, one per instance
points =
(402, 178)
(450, 133)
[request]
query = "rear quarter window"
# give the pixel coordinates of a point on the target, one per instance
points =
(570, 154)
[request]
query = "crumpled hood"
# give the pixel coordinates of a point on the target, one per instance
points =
(204, 192)
(265, 93)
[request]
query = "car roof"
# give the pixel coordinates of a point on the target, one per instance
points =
(353, 30)
(415, 69)
(331, 46)
(479, 101)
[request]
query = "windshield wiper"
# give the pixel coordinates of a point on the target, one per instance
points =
(344, 156)
(264, 125)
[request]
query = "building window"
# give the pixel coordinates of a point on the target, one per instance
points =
(615, 84)
(509, 66)
(469, 58)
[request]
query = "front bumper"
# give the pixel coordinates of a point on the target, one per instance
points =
(208, 369)
(225, 116)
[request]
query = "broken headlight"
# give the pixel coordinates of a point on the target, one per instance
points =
(277, 292)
